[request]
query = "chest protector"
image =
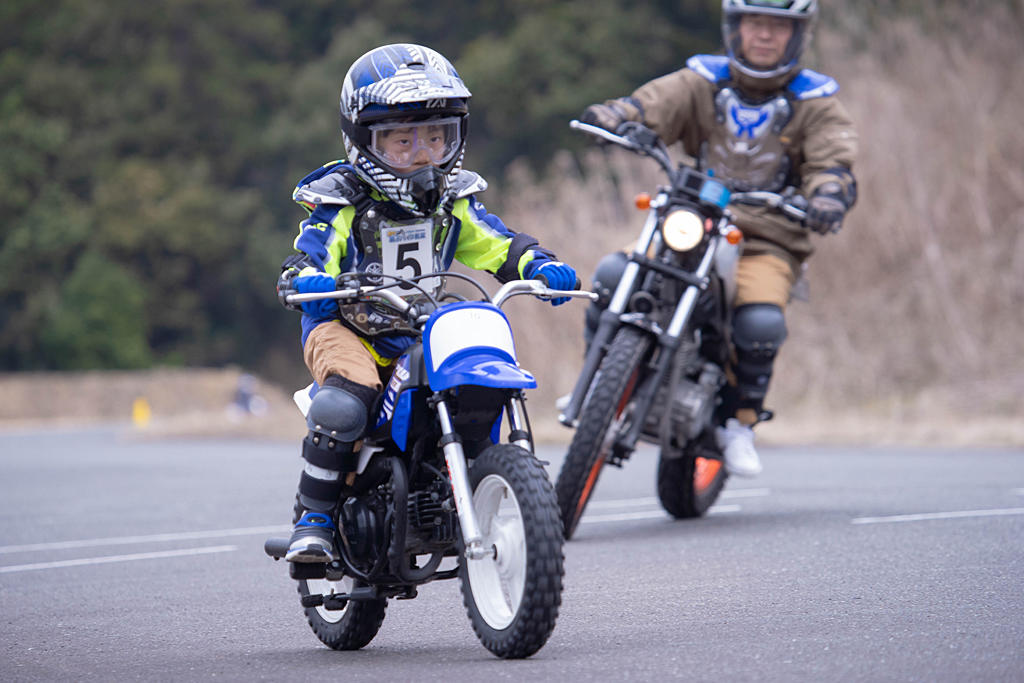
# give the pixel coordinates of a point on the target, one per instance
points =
(389, 242)
(745, 149)
(402, 247)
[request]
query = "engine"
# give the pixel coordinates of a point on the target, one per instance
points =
(693, 385)
(363, 529)
(432, 518)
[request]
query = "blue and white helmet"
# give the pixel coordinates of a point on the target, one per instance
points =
(404, 83)
(802, 12)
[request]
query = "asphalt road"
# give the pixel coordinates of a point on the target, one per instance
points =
(128, 559)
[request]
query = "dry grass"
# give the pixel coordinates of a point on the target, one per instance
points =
(914, 328)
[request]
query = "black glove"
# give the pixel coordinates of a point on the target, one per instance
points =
(826, 209)
(605, 116)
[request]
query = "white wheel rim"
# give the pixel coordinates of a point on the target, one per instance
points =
(325, 588)
(498, 580)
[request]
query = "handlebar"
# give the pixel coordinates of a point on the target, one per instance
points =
(788, 202)
(597, 131)
(506, 292)
(538, 289)
(642, 140)
(637, 138)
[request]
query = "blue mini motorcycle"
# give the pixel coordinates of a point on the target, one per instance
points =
(437, 493)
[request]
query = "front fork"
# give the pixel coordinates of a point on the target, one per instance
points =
(458, 471)
(609, 323)
(668, 340)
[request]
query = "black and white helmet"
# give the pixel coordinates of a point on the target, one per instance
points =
(409, 91)
(802, 12)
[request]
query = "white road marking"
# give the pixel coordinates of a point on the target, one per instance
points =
(118, 558)
(642, 502)
(961, 514)
(154, 538)
(260, 530)
(745, 493)
(648, 514)
(621, 503)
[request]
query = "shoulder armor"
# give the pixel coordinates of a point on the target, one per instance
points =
(467, 183)
(714, 68)
(333, 183)
(809, 85)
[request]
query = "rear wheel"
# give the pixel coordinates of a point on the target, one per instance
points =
(512, 596)
(349, 628)
(346, 629)
(602, 420)
(690, 483)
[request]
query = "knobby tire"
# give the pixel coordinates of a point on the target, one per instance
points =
(542, 595)
(359, 623)
(690, 484)
(610, 393)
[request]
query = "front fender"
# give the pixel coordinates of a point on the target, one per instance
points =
(479, 368)
(471, 343)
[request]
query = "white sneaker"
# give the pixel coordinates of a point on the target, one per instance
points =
(737, 443)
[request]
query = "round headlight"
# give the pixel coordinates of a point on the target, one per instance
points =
(682, 230)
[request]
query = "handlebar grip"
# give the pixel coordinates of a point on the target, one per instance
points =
(282, 295)
(541, 278)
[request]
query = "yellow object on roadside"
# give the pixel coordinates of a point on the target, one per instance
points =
(141, 412)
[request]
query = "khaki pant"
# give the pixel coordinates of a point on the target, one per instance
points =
(763, 279)
(333, 349)
(760, 279)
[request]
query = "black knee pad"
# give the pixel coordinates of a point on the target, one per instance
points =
(758, 331)
(341, 409)
(337, 418)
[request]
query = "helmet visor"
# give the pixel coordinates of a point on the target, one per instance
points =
(401, 144)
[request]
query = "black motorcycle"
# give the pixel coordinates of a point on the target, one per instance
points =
(655, 365)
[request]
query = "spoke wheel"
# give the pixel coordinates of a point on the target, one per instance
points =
(512, 595)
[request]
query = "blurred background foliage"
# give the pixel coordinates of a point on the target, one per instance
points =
(150, 149)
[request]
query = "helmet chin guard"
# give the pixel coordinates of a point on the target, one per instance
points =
(426, 186)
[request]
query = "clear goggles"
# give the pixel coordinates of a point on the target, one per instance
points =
(401, 144)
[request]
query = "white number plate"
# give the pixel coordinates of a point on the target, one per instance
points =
(406, 252)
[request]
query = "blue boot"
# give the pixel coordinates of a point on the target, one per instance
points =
(312, 539)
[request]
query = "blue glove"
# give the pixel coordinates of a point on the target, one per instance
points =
(322, 309)
(558, 275)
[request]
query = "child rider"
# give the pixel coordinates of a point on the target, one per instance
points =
(401, 205)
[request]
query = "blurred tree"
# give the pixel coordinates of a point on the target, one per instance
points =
(82, 331)
(150, 148)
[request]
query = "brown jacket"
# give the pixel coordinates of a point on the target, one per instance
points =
(818, 139)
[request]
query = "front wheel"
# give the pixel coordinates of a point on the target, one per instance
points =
(603, 419)
(512, 596)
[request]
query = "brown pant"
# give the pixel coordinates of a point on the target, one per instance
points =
(333, 349)
(760, 279)
(763, 279)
